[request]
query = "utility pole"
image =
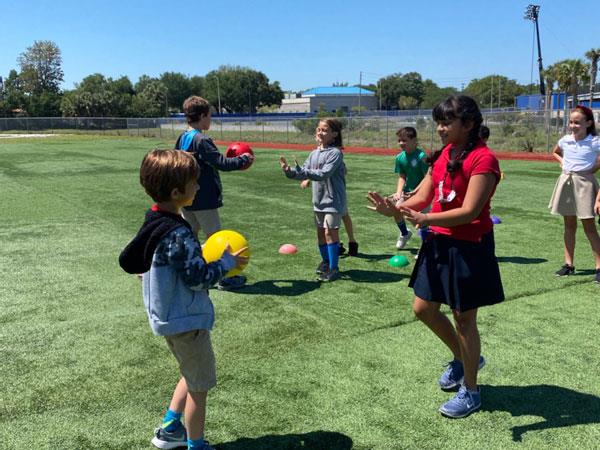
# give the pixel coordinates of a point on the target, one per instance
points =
(532, 13)
(218, 93)
(492, 93)
(359, 90)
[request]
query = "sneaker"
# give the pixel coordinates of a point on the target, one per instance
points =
(597, 277)
(353, 249)
(231, 283)
(463, 404)
(342, 248)
(170, 439)
(454, 374)
(330, 275)
(403, 240)
(322, 268)
(565, 270)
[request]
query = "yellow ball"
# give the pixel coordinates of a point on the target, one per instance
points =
(216, 244)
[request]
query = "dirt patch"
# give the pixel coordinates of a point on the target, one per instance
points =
(522, 156)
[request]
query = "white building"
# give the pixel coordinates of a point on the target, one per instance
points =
(330, 99)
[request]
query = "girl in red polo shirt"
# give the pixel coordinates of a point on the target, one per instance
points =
(457, 265)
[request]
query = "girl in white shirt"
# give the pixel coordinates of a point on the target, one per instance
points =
(576, 194)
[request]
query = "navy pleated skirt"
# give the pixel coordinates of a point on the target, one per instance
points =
(462, 274)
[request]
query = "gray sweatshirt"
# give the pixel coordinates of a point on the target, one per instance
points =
(325, 168)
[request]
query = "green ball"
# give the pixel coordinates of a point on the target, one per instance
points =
(398, 261)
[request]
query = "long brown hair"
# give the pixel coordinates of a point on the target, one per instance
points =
(336, 126)
(589, 115)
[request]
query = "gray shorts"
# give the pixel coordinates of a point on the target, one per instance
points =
(194, 353)
(206, 220)
(332, 221)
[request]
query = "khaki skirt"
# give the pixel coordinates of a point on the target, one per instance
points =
(574, 195)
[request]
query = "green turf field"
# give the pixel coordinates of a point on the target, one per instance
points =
(300, 365)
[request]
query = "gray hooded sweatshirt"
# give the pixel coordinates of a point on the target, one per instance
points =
(325, 168)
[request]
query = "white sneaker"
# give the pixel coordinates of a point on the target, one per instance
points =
(403, 240)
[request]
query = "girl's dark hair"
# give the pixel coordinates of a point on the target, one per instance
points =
(335, 125)
(589, 115)
(464, 108)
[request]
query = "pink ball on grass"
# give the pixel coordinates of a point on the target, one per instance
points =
(288, 249)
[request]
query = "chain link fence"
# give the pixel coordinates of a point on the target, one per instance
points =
(531, 131)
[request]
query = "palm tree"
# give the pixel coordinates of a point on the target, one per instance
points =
(570, 74)
(593, 55)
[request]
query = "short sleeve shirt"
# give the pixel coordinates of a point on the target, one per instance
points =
(579, 156)
(480, 160)
(413, 166)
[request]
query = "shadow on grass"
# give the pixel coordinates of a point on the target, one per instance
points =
(374, 257)
(316, 440)
(560, 407)
(520, 260)
(288, 288)
(372, 276)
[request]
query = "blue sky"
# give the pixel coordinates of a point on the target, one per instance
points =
(301, 43)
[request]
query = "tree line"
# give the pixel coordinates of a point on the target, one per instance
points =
(35, 89)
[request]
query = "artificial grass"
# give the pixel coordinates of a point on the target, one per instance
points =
(300, 365)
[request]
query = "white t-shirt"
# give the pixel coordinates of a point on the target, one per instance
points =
(579, 156)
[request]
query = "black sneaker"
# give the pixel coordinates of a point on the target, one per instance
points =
(353, 251)
(232, 283)
(565, 270)
(330, 275)
(597, 277)
(322, 268)
(342, 248)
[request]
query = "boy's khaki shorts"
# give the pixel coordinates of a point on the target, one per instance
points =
(196, 358)
(331, 221)
(206, 220)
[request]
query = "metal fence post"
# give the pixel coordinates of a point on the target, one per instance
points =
(287, 131)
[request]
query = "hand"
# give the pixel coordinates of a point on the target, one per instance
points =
(305, 184)
(248, 157)
(418, 219)
(597, 207)
(382, 205)
(396, 196)
(283, 163)
(240, 261)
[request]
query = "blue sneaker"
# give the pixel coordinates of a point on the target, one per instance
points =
(454, 374)
(463, 404)
(170, 439)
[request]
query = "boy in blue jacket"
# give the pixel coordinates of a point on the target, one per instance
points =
(175, 284)
(203, 213)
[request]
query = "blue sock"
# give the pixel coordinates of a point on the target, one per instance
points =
(195, 444)
(333, 251)
(402, 227)
(324, 252)
(171, 421)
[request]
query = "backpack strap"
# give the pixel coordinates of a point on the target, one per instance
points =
(186, 140)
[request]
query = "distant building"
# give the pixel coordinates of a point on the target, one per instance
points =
(329, 99)
(535, 102)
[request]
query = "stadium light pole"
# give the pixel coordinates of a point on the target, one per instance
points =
(532, 13)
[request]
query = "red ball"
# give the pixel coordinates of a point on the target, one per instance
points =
(238, 149)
